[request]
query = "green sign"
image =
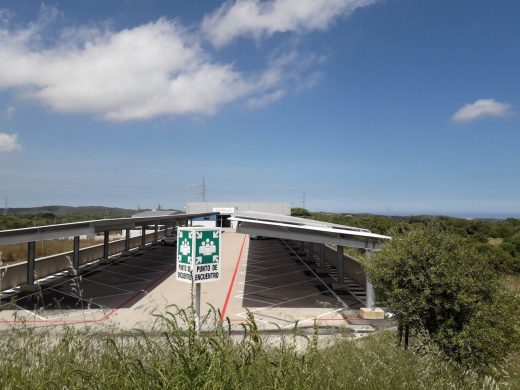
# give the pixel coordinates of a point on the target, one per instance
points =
(184, 246)
(198, 254)
(207, 243)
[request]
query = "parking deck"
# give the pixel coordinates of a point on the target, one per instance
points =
(267, 277)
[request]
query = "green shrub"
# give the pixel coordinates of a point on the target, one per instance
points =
(441, 284)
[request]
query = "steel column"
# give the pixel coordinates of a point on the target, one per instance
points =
(143, 236)
(340, 264)
(105, 244)
(127, 240)
(311, 252)
(75, 253)
(31, 255)
(322, 257)
(156, 234)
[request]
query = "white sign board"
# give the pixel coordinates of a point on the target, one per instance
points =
(224, 210)
(198, 254)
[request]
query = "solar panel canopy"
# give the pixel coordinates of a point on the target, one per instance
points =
(308, 230)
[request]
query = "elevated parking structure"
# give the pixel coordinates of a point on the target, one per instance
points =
(76, 229)
(310, 231)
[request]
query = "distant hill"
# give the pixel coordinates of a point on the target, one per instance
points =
(65, 211)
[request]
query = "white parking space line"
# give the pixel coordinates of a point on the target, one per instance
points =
(277, 266)
(77, 313)
(317, 277)
(125, 275)
(319, 316)
(283, 302)
(274, 288)
(107, 285)
(271, 276)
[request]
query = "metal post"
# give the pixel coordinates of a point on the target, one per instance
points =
(143, 236)
(190, 222)
(311, 252)
(75, 254)
(302, 247)
(127, 240)
(340, 264)
(105, 244)
(197, 307)
(322, 257)
(156, 234)
(31, 255)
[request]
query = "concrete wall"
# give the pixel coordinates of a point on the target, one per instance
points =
(352, 268)
(16, 274)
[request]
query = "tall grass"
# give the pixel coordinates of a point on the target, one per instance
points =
(174, 355)
(18, 252)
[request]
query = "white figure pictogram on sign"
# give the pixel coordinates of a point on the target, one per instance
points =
(207, 248)
(185, 248)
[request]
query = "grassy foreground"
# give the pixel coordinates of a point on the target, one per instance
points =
(176, 358)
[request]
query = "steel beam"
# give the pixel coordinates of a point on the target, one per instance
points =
(308, 237)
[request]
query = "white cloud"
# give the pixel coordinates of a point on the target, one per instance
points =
(266, 99)
(9, 143)
(137, 73)
(8, 113)
(481, 108)
(158, 68)
(264, 18)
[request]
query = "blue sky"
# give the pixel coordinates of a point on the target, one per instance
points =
(390, 106)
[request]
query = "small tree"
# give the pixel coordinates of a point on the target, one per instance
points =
(441, 284)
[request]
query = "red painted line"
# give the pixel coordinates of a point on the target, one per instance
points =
(98, 320)
(224, 308)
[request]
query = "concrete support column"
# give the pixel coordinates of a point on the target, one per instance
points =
(370, 311)
(75, 254)
(370, 295)
(31, 257)
(126, 252)
(143, 237)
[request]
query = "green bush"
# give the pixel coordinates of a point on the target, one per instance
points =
(441, 284)
(300, 212)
